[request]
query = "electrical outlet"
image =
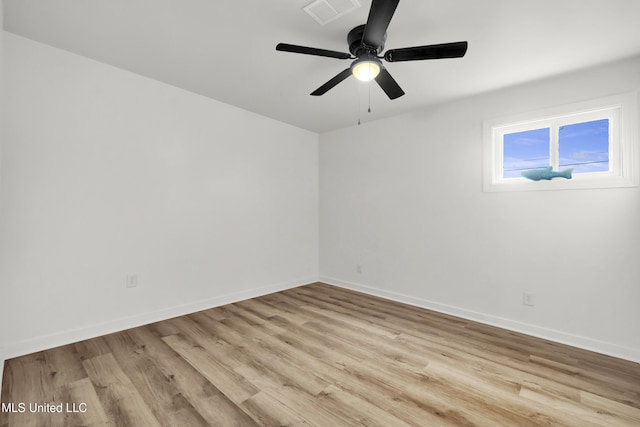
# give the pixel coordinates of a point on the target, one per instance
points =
(132, 281)
(528, 299)
(359, 268)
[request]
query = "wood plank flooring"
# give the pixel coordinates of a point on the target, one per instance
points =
(319, 355)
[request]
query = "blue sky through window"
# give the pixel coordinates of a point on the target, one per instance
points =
(585, 146)
(582, 146)
(525, 150)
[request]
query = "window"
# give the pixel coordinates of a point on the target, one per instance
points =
(596, 141)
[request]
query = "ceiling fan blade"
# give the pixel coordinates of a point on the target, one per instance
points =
(331, 83)
(389, 85)
(379, 17)
(284, 47)
(434, 51)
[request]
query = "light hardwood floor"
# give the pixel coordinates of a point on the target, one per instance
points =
(325, 356)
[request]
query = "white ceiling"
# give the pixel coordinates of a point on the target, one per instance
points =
(225, 49)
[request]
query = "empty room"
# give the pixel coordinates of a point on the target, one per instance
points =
(319, 212)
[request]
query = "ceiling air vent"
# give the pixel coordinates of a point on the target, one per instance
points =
(325, 11)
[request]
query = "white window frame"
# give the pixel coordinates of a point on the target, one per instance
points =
(620, 110)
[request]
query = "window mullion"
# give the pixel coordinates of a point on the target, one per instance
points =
(554, 147)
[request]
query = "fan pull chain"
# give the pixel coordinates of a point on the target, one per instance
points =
(369, 84)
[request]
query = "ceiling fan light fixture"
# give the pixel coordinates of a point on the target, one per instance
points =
(366, 69)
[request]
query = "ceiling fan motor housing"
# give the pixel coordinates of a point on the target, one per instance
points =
(357, 48)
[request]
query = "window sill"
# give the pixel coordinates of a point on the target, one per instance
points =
(578, 182)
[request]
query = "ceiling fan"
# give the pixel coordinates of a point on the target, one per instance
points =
(366, 42)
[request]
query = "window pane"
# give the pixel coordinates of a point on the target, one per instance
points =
(525, 150)
(585, 146)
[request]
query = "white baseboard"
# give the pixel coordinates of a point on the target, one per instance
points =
(45, 342)
(582, 342)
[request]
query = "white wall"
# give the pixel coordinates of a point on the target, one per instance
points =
(106, 173)
(403, 198)
(2, 292)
